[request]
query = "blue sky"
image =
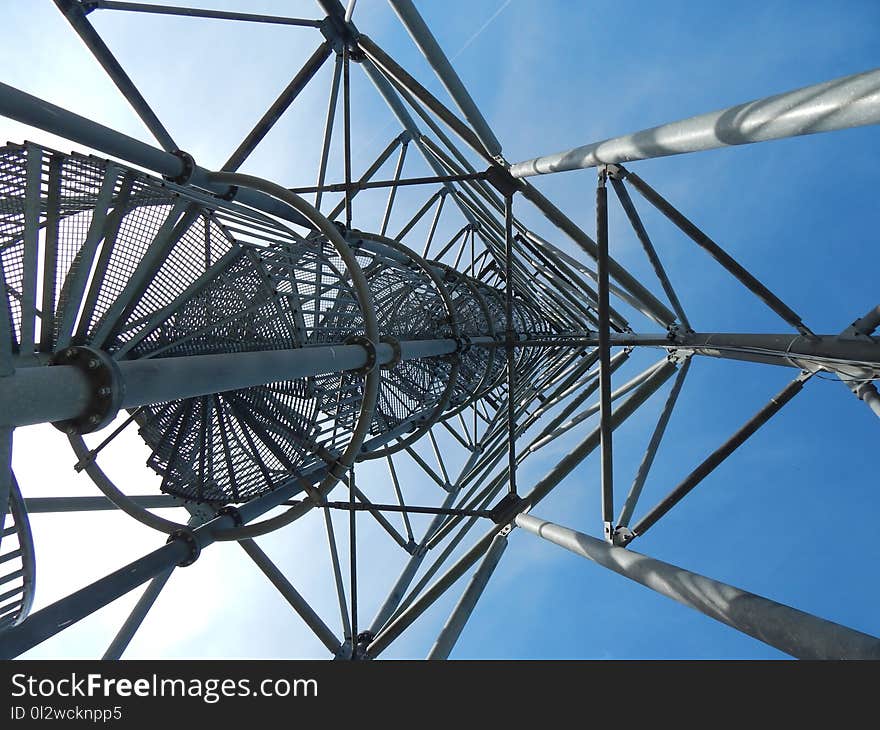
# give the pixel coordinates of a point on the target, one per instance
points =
(789, 516)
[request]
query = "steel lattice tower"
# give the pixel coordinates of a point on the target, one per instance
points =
(264, 345)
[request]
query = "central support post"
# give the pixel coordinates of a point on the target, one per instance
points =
(509, 338)
(604, 357)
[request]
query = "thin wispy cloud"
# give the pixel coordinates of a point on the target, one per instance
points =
(481, 29)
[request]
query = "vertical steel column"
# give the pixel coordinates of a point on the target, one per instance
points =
(605, 427)
(792, 631)
(346, 120)
(328, 130)
(136, 617)
(508, 340)
(468, 601)
(31, 247)
(352, 564)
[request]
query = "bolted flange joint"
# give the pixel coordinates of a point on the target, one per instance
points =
(186, 172)
(105, 381)
(187, 537)
(462, 345)
(230, 511)
(394, 343)
(368, 345)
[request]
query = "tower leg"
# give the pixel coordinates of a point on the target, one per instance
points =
(468, 601)
(792, 631)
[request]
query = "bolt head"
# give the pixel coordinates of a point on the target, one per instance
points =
(105, 391)
(93, 364)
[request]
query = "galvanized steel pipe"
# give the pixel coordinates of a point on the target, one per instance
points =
(792, 631)
(48, 394)
(850, 101)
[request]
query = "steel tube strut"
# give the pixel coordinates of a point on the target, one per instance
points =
(200, 13)
(35, 112)
(508, 342)
(44, 505)
(363, 184)
(392, 99)
(279, 106)
(717, 253)
(650, 251)
(418, 605)
(646, 302)
(286, 589)
(849, 101)
(720, 454)
(432, 51)
(635, 490)
(136, 617)
(403, 79)
(48, 621)
(792, 631)
(409, 570)
(773, 349)
(180, 550)
(76, 16)
(464, 608)
(607, 462)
